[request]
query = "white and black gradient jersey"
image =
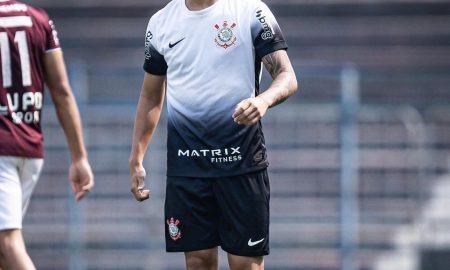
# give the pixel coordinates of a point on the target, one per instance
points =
(212, 60)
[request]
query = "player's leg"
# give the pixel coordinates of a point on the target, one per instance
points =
(12, 247)
(206, 259)
(244, 220)
(2, 266)
(13, 251)
(245, 263)
(191, 221)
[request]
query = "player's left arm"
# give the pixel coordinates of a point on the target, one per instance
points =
(250, 111)
(80, 173)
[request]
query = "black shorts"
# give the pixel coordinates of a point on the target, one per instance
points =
(231, 212)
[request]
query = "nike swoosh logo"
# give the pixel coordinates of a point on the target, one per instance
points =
(251, 244)
(175, 44)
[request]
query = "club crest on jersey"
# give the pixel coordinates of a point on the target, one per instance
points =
(174, 231)
(225, 36)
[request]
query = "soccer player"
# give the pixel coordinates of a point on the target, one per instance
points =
(208, 53)
(31, 55)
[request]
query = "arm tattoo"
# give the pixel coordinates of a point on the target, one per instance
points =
(284, 82)
(274, 63)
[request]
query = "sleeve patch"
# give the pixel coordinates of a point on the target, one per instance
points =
(154, 62)
(267, 31)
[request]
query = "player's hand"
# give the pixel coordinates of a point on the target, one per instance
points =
(81, 178)
(138, 175)
(249, 111)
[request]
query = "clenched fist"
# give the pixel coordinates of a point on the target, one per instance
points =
(137, 177)
(249, 111)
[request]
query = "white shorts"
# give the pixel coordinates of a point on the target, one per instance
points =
(18, 177)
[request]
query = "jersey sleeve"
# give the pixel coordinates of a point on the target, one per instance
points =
(154, 61)
(51, 36)
(266, 33)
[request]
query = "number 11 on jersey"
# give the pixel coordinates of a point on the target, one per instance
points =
(21, 40)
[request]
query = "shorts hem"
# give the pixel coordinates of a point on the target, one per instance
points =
(10, 227)
(189, 249)
(246, 253)
(17, 154)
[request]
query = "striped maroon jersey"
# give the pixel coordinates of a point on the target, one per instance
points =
(26, 35)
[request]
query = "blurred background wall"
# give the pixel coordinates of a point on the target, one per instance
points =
(359, 156)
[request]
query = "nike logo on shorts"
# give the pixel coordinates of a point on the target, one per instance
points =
(251, 244)
(175, 44)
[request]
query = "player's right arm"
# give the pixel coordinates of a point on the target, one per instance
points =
(148, 110)
(147, 117)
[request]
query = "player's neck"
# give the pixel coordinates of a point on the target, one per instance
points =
(196, 5)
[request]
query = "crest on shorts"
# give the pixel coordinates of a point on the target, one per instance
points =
(225, 35)
(174, 231)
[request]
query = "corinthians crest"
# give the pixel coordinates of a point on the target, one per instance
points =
(174, 231)
(225, 36)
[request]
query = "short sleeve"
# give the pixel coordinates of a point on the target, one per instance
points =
(154, 61)
(266, 33)
(51, 36)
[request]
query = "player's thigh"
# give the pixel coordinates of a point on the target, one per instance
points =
(244, 213)
(10, 194)
(30, 172)
(11, 239)
(245, 263)
(190, 215)
(206, 259)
